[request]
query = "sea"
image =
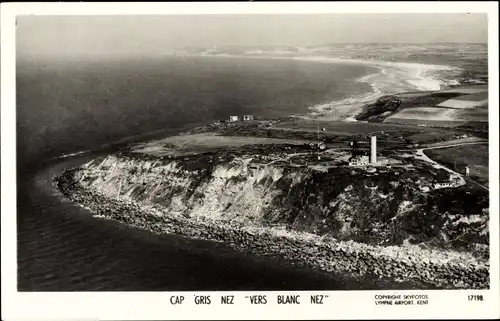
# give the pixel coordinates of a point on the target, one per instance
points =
(72, 110)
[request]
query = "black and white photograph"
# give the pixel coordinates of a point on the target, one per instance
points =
(253, 152)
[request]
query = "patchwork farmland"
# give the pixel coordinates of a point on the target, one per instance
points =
(466, 101)
(446, 108)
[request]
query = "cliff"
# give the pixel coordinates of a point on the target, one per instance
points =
(380, 109)
(385, 208)
(244, 201)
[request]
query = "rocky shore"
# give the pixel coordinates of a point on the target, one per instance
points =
(422, 267)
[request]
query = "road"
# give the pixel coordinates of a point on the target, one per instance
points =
(419, 153)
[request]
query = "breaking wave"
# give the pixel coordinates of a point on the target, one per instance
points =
(71, 154)
(391, 78)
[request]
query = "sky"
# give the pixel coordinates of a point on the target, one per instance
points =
(59, 36)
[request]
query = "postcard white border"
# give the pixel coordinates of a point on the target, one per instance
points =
(154, 305)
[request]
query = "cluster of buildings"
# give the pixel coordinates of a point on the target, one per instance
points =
(237, 118)
(318, 145)
(443, 181)
(363, 160)
(233, 119)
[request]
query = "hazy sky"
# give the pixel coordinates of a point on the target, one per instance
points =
(57, 36)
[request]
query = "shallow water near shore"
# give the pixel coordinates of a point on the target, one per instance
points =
(62, 247)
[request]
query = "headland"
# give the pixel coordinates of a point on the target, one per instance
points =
(374, 197)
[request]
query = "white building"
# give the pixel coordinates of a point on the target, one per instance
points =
(453, 180)
(358, 161)
(425, 188)
(233, 118)
(320, 146)
(248, 117)
(442, 184)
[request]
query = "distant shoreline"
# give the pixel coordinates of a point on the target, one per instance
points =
(417, 68)
(391, 78)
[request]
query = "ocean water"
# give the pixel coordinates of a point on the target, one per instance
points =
(63, 248)
(66, 107)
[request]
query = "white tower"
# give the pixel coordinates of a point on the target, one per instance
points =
(373, 150)
(466, 170)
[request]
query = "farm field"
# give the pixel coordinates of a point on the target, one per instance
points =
(424, 113)
(473, 97)
(436, 135)
(462, 102)
(426, 123)
(436, 115)
(339, 128)
(465, 140)
(446, 108)
(468, 90)
(424, 100)
(473, 156)
(479, 114)
(188, 144)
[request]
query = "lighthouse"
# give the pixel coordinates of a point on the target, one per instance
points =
(373, 150)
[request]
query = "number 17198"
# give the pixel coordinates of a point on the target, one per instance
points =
(476, 297)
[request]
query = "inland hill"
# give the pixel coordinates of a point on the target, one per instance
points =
(358, 199)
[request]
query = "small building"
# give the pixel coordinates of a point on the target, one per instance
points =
(451, 181)
(233, 118)
(454, 179)
(320, 146)
(425, 188)
(442, 184)
(247, 117)
(359, 161)
(467, 171)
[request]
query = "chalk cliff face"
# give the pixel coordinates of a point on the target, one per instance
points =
(384, 208)
(337, 219)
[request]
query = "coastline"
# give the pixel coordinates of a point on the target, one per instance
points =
(423, 267)
(63, 242)
(355, 259)
(391, 78)
(442, 269)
